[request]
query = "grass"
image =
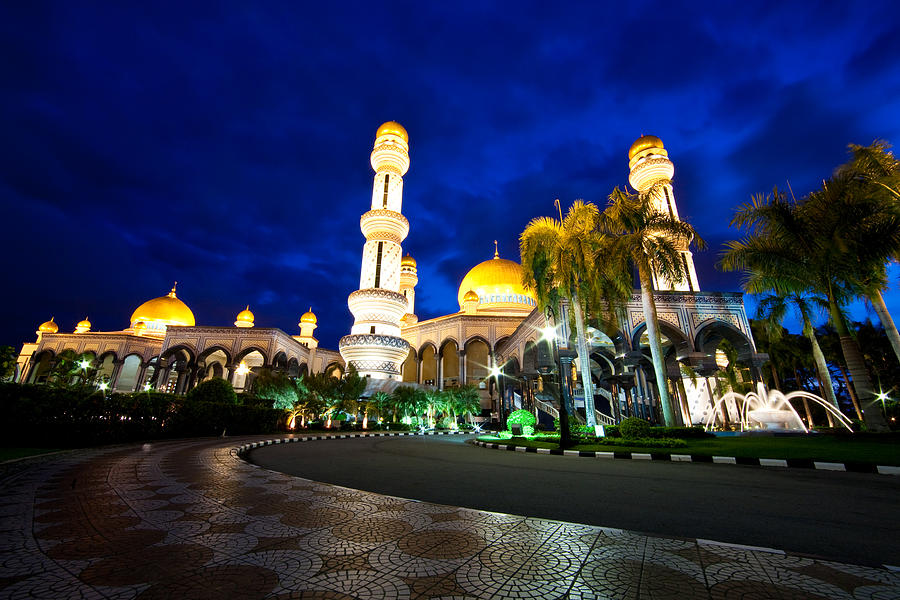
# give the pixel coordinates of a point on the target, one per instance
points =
(13, 453)
(882, 449)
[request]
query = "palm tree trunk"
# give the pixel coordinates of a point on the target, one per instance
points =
(822, 368)
(585, 360)
(809, 419)
(775, 376)
(850, 391)
(887, 322)
(872, 416)
(659, 367)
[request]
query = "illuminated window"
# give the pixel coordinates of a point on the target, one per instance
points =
(384, 198)
(378, 265)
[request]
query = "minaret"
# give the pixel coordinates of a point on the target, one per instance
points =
(649, 165)
(374, 345)
(409, 277)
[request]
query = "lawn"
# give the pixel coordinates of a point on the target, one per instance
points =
(883, 449)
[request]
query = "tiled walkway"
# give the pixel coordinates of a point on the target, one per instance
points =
(192, 520)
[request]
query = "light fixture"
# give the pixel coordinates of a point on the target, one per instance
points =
(548, 333)
(242, 369)
(84, 364)
(104, 386)
(147, 387)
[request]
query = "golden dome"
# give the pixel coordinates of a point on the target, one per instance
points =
(48, 327)
(83, 326)
(308, 317)
(408, 261)
(163, 311)
(642, 143)
(498, 284)
(244, 318)
(393, 128)
(470, 296)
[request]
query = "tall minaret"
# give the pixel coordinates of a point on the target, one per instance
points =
(409, 277)
(374, 345)
(649, 163)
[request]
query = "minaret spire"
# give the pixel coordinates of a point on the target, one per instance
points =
(496, 252)
(374, 345)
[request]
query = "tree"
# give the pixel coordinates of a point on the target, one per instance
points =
(792, 248)
(559, 260)
(8, 358)
(642, 238)
(774, 307)
(874, 177)
(409, 402)
(465, 401)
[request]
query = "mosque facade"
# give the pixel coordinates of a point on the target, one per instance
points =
(493, 342)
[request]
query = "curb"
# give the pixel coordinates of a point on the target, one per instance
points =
(797, 463)
(241, 450)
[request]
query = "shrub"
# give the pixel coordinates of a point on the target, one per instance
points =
(633, 428)
(215, 390)
(644, 442)
(522, 417)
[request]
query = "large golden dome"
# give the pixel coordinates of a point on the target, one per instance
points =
(498, 284)
(393, 128)
(642, 143)
(163, 311)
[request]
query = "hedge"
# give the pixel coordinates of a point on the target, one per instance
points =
(55, 417)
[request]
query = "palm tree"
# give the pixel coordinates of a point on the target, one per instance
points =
(876, 174)
(558, 261)
(774, 308)
(642, 238)
(792, 247)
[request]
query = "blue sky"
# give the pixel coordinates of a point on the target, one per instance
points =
(226, 145)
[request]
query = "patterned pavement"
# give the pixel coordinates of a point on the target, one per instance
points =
(191, 519)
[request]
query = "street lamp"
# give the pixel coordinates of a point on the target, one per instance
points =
(497, 373)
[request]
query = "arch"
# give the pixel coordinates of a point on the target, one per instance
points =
(293, 367)
(712, 332)
(213, 349)
(247, 351)
(449, 363)
(213, 365)
(41, 363)
(170, 352)
(499, 342)
(529, 357)
(253, 361)
(409, 368)
(426, 345)
(106, 364)
(335, 369)
(303, 370)
(280, 361)
(127, 380)
(477, 360)
(428, 364)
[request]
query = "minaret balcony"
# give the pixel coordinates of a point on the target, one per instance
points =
(390, 156)
(651, 171)
(384, 223)
(377, 301)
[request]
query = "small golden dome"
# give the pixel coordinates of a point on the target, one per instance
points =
(644, 142)
(497, 282)
(139, 326)
(244, 318)
(393, 128)
(83, 326)
(48, 327)
(470, 296)
(165, 310)
(408, 261)
(308, 317)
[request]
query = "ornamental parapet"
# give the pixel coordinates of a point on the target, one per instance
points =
(384, 221)
(373, 339)
(389, 155)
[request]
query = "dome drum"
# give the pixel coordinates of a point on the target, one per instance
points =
(384, 221)
(651, 171)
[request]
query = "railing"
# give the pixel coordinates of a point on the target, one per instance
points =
(547, 408)
(604, 419)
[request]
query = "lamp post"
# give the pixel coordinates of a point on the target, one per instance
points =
(563, 360)
(497, 374)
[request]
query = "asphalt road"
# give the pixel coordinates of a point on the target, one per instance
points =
(851, 517)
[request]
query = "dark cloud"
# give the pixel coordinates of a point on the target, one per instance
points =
(226, 145)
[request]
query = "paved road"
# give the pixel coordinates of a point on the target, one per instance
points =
(841, 516)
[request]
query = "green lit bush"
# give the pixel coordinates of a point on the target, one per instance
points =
(524, 418)
(644, 442)
(633, 428)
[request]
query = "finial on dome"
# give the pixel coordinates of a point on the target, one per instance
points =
(172, 293)
(496, 252)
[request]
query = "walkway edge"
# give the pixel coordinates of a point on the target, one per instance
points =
(797, 463)
(241, 450)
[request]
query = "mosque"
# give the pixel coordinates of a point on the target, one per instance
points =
(492, 342)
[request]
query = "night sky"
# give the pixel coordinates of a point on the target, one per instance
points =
(226, 146)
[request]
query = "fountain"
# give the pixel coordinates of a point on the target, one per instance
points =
(772, 411)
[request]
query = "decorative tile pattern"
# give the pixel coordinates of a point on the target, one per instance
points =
(191, 519)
